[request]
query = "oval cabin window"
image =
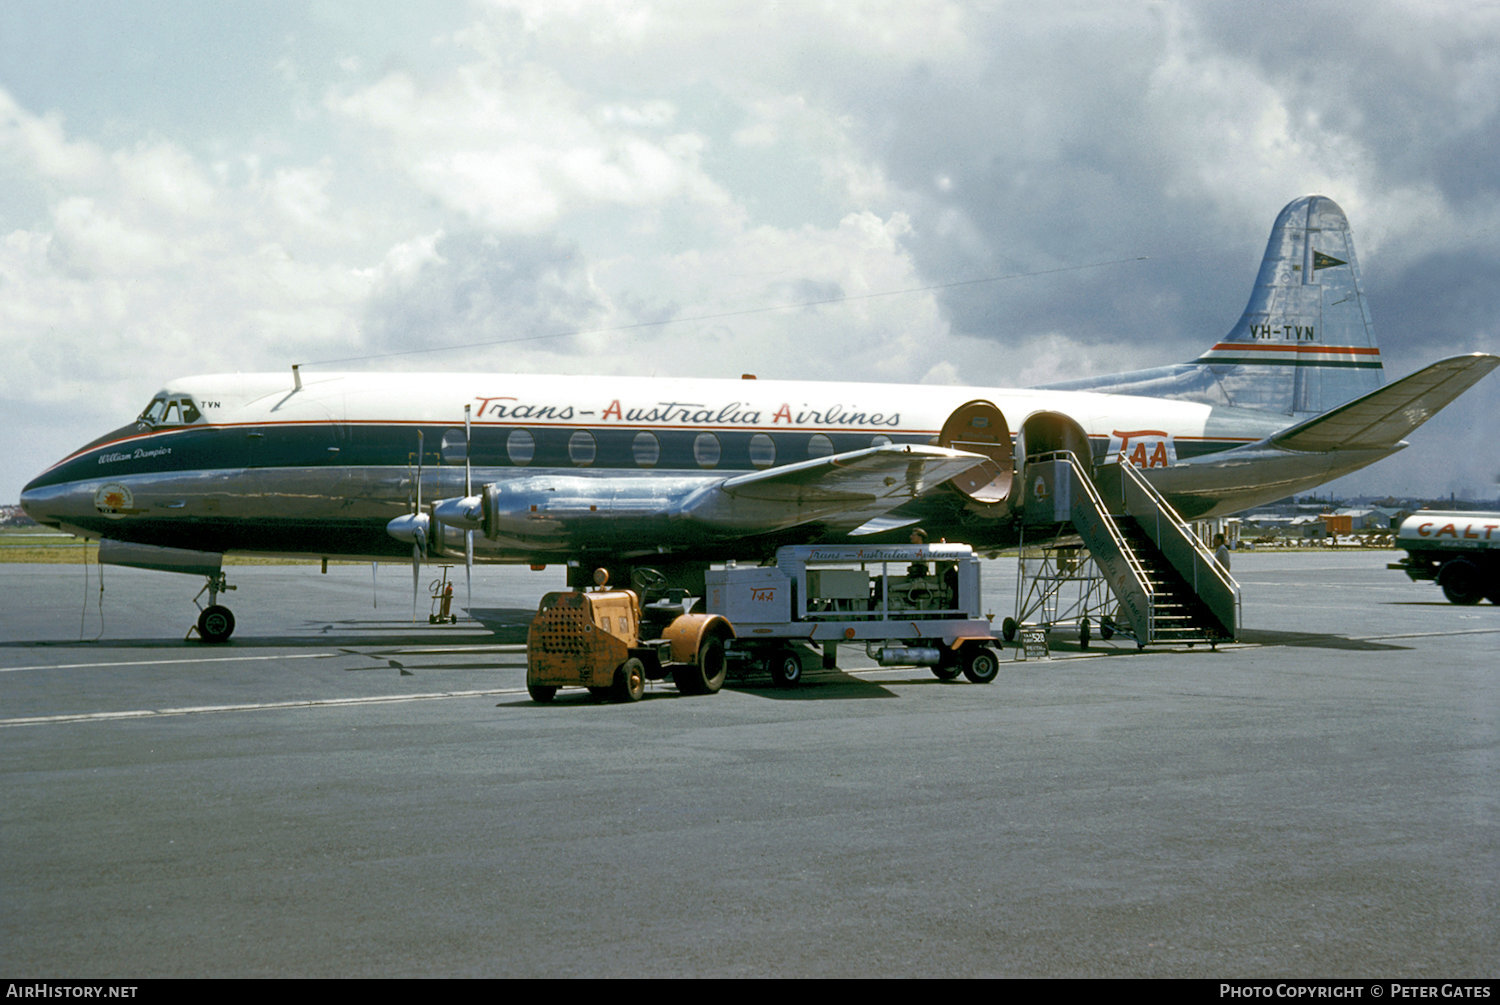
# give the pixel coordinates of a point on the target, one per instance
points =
(647, 450)
(762, 450)
(520, 447)
(706, 450)
(582, 448)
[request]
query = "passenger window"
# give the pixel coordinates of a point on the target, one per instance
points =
(880, 440)
(762, 450)
(453, 448)
(706, 450)
(582, 448)
(647, 449)
(819, 445)
(520, 447)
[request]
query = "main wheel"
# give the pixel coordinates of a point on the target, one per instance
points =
(706, 674)
(630, 680)
(981, 664)
(1460, 581)
(215, 624)
(541, 693)
(786, 668)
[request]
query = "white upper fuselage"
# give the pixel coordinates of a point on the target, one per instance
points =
(522, 400)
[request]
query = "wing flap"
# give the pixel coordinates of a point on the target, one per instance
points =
(1383, 417)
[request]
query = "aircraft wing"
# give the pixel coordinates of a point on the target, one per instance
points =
(844, 490)
(1382, 418)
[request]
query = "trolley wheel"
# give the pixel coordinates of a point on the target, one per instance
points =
(980, 664)
(786, 668)
(215, 624)
(950, 666)
(541, 693)
(1083, 634)
(1106, 628)
(1008, 629)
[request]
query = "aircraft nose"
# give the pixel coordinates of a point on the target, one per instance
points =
(50, 502)
(32, 503)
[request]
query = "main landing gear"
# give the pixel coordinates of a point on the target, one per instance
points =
(215, 622)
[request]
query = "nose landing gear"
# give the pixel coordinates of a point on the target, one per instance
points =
(215, 622)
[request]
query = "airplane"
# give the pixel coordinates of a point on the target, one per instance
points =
(656, 478)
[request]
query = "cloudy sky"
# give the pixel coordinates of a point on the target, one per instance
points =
(896, 190)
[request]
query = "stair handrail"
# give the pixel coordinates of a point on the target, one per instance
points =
(1208, 579)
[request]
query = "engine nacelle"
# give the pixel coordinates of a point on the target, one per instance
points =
(568, 507)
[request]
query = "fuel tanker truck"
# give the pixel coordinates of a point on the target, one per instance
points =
(1458, 551)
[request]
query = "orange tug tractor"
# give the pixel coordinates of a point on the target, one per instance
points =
(594, 640)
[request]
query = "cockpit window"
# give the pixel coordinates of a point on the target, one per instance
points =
(170, 410)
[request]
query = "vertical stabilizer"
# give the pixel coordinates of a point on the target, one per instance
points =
(1305, 343)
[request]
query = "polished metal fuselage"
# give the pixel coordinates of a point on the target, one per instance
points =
(603, 465)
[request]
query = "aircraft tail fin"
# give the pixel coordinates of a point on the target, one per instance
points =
(1303, 345)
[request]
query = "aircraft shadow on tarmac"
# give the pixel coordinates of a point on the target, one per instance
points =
(507, 624)
(1314, 640)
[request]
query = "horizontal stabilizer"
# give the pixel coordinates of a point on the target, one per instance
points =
(845, 489)
(1383, 417)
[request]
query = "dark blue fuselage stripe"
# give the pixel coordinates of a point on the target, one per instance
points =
(210, 448)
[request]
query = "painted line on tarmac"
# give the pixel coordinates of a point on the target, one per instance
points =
(150, 713)
(154, 663)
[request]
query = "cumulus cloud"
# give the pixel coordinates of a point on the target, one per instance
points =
(477, 291)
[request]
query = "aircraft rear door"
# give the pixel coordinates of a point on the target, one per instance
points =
(979, 427)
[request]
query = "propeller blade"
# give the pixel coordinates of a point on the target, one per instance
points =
(416, 576)
(419, 533)
(468, 534)
(469, 568)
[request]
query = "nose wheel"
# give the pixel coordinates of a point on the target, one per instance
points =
(215, 622)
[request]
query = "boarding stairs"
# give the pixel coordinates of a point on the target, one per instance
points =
(1135, 566)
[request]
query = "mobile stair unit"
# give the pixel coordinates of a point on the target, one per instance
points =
(1117, 556)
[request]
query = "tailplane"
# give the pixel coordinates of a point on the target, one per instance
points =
(1304, 344)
